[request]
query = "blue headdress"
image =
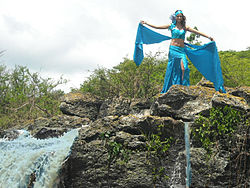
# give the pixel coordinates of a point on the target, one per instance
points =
(173, 18)
(178, 12)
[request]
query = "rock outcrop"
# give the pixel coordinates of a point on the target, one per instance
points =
(129, 122)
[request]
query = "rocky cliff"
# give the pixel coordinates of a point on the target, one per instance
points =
(130, 123)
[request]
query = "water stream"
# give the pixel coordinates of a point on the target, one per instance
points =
(175, 181)
(187, 148)
(30, 162)
(27, 162)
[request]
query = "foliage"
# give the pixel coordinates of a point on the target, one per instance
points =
(235, 67)
(128, 80)
(115, 151)
(146, 81)
(26, 95)
(226, 131)
(193, 38)
(157, 147)
(220, 124)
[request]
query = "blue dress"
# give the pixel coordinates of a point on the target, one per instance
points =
(176, 56)
(205, 58)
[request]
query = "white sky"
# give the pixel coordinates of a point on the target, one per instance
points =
(72, 37)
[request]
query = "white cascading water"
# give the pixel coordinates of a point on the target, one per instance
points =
(27, 160)
(175, 181)
(187, 148)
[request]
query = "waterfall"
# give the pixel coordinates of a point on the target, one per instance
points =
(175, 180)
(29, 162)
(187, 147)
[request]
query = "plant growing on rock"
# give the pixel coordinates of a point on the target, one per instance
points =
(157, 147)
(226, 130)
(115, 151)
(220, 124)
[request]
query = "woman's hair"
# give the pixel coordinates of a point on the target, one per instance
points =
(183, 22)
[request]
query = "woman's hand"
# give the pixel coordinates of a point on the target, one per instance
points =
(142, 22)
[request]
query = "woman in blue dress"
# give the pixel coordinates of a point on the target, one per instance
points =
(177, 70)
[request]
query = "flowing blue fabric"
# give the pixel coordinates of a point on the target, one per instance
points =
(174, 74)
(205, 58)
(145, 36)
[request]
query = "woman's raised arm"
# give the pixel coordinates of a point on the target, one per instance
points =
(198, 33)
(156, 27)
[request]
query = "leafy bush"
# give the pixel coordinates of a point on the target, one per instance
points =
(157, 147)
(226, 131)
(220, 124)
(128, 80)
(235, 67)
(116, 151)
(26, 95)
(146, 81)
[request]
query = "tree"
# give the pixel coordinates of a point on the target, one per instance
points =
(26, 95)
(146, 81)
(128, 80)
(193, 38)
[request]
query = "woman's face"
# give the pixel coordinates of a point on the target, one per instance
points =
(179, 17)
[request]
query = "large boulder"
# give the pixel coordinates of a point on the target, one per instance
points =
(182, 102)
(129, 121)
(225, 99)
(243, 92)
(78, 104)
(124, 106)
(87, 165)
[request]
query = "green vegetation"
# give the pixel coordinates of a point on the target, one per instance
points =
(220, 124)
(235, 67)
(193, 38)
(116, 151)
(26, 96)
(146, 81)
(226, 130)
(157, 147)
(128, 80)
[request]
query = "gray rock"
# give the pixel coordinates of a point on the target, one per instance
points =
(243, 92)
(129, 122)
(222, 100)
(182, 102)
(77, 104)
(114, 107)
(90, 158)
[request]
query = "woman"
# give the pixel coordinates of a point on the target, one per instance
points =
(177, 69)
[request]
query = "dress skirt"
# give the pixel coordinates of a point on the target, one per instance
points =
(174, 74)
